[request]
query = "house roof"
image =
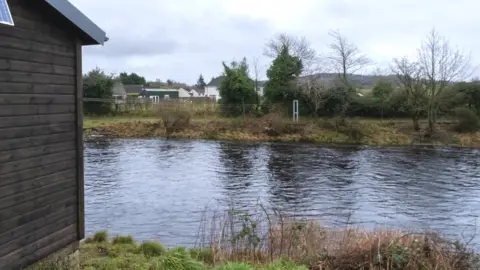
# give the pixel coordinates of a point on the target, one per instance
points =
(162, 89)
(133, 88)
(92, 34)
(216, 81)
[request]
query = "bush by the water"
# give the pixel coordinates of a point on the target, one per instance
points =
(123, 240)
(152, 249)
(467, 120)
(174, 120)
(100, 237)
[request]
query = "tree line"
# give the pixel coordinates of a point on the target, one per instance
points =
(430, 85)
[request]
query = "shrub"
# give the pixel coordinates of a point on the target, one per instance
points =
(100, 237)
(204, 255)
(118, 240)
(467, 120)
(152, 249)
(180, 259)
(174, 120)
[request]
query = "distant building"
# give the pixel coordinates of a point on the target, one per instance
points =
(158, 94)
(212, 89)
(194, 93)
(119, 92)
(133, 89)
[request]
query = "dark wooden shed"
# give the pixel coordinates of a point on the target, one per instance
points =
(41, 141)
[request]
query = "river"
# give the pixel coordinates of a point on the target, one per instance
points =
(160, 189)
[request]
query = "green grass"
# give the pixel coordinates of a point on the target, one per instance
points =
(151, 255)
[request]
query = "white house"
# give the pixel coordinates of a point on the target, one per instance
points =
(194, 93)
(212, 88)
(182, 93)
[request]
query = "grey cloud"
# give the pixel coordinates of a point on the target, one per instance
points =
(180, 39)
(122, 46)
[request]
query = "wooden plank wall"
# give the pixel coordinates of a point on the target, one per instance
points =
(39, 150)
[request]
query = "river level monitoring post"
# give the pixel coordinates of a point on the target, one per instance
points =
(295, 111)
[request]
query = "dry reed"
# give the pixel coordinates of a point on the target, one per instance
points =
(266, 236)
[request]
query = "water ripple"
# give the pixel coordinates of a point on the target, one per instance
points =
(160, 188)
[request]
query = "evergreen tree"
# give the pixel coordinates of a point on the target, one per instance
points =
(201, 82)
(132, 78)
(98, 85)
(237, 89)
(281, 75)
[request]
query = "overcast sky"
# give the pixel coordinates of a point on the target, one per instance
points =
(179, 39)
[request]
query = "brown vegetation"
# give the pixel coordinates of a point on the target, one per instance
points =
(273, 127)
(266, 237)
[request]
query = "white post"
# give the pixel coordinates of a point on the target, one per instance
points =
(295, 111)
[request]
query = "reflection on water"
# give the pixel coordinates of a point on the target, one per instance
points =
(159, 189)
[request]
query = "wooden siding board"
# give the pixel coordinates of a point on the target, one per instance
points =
(20, 197)
(36, 183)
(39, 249)
(79, 140)
(28, 77)
(35, 46)
(36, 151)
(35, 120)
(40, 170)
(36, 141)
(10, 167)
(26, 66)
(26, 99)
(38, 234)
(37, 214)
(35, 57)
(17, 110)
(19, 231)
(14, 213)
(34, 131)
(36, 89)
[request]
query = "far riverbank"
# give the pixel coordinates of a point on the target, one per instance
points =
(356, 131)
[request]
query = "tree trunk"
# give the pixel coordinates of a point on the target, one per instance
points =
(431, 116)
(416, 123)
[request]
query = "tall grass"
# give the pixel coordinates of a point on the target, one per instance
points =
(267, 236)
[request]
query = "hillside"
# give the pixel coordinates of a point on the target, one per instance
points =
(360, 81)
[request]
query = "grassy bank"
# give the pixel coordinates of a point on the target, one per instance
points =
(295, 246)
(272, 128)
(267, 239)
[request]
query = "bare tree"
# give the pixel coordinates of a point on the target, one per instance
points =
(314, 85)
(345, 59)
(297, 46)
(441, 65)
(410, 78)
(315, 90)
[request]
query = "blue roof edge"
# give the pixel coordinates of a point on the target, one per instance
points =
(74, 15)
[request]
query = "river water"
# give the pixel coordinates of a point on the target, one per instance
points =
(160, 189)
